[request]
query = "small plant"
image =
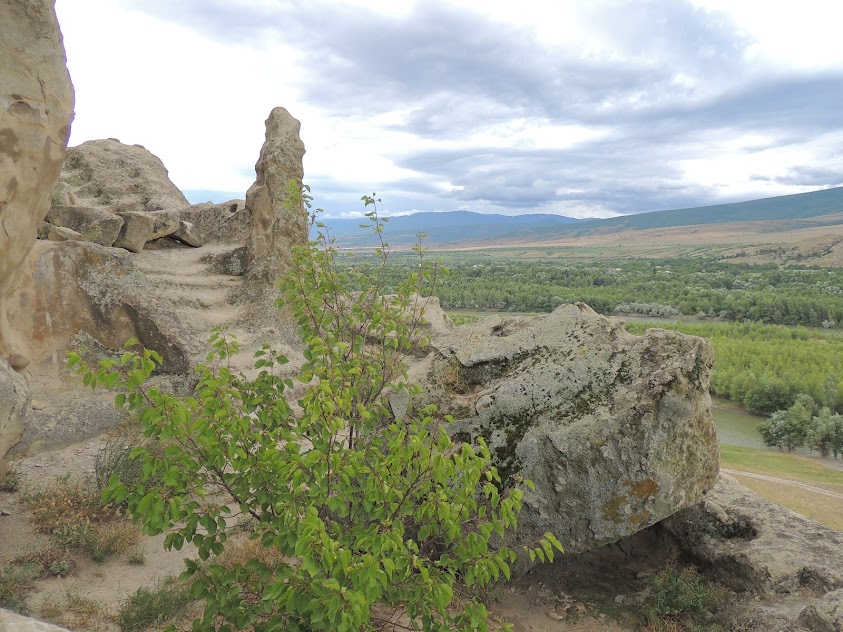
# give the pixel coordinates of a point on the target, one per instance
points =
(69, 505)
(12, 481)
(136, 557)
(15, 583)
(60, 568)
(147, 608)
(114, 456)
(679, 600)
(72, 609)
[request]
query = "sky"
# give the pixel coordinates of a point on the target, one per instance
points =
(581, 108)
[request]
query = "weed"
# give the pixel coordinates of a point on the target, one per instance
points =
(69, 504)
(15, 582)
(50, 559)
(147, 608)
(679, 600)
(136, 557)
(71, 610)
(110, 539)
(12, 481)
(114, 457)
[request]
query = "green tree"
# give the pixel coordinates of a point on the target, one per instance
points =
(376, 520)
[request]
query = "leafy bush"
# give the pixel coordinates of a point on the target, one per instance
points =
(679, 600)
(363, 509)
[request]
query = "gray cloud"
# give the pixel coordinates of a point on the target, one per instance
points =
(679, 79)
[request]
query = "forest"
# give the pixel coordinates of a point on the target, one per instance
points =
(809, 296)
(773, 330)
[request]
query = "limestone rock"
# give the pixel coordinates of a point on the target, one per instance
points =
(753, 545)
(60, 233)
(226, 223)
(94, 224)
(189, 234)
(15, 411)
(825, 614)
(84, 287)
(164, 223)
(36, 108)
(121, 177)
(614, 430)
(278, 220)
(137, 227)
(13, 622)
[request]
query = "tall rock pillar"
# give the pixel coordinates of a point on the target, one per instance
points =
(278, 221)
(36, 108)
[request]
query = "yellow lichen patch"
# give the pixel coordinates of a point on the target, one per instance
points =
(612, 509)
(638, 518)
(644, 489)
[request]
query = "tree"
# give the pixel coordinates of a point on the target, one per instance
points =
(789, 428)
(375, 520)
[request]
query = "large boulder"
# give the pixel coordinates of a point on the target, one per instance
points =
(227, 223)
(120, 177)
(614, 430)
(92, 223)
(277, 218)
(15, 410)
(36, 108)
(825, 614)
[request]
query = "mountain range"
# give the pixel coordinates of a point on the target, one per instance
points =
(824, 207)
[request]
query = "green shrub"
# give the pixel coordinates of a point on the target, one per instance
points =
(679, 600)
(364, 510)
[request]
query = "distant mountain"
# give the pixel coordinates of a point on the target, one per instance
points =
(446, 228)
(785, 207)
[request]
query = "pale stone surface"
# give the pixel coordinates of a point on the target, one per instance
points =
(226, 223)
(120, 177)
(36, 108)
(189, 234)
(15, 411)
(825, 614)
(275, 228)
(137, 226)
(164, 223)
(12, 622)
(751, 544)
(60, 233)
(614, 430)
(92, 223)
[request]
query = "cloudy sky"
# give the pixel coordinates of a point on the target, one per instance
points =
(582, 108)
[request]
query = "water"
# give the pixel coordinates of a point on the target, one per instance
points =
(736, 426)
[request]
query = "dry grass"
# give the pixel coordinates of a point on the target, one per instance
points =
(71, 610)
(67, 503)
(824, 509)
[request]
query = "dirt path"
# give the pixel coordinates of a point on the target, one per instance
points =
(784, 481)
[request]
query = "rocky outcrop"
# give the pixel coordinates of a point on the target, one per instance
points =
(751, 544)
(120, 177)
(12, 622)
(825, 614)
(277, 219)
(89, 222)
(226, 223)
(36, 108)
(15, 410)
(72, 287)
(614, 430)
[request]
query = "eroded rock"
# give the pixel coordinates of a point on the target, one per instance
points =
(277, 219)
(751, 544)
(614, 430)
(120, 177)
(15, 410)
(89, 222)
(226, 223)
(36, 108)
(825, 614)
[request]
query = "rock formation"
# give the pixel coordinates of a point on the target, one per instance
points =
(277, 220)
(15, 410)
(120, 177)
(11, 622)
(36, 108)
(614, 430)
(226, 223)
(753, 545)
